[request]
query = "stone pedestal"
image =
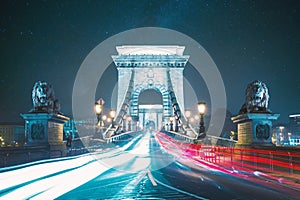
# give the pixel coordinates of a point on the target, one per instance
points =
(45, 129)
(254, 129)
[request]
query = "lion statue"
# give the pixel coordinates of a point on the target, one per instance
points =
(257, 98)
(43, 98)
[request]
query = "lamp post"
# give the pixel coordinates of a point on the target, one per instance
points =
(112, 114)
(188, 115)
(124, 123)
(129, 119)
(108, 119)
(98, 111)
(2, 143)
(192, 121)
(176, 123)
(137, 125)
(171, 123)
(201, 109)
(104, 117)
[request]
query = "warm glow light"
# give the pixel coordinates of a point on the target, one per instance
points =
(98, 109)
(112, 113)
(108, 120)
(201, 108)
(129, 119)
(172, 118)
(281, 127)
(104, 117)
(187, 113)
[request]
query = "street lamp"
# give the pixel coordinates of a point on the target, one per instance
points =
(171, 123)
(104, 117)
(108, 120)
(112, 114)
(188, 115)
(192, 120)
(124, 123)
(176, 123)
(137, 125)
(129, 123)
(98, 111)
(201, 109)
(2, 143)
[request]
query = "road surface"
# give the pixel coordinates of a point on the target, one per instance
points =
(140, 169)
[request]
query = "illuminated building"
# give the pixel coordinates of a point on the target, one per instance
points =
(12, 134)
(294, 129)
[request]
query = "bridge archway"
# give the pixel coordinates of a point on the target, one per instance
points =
(150, 96)
(150, 108)
(160, 89)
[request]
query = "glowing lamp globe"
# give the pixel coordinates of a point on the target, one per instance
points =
(202, 108)
(98, 109)
(112, 113)
(188, 113)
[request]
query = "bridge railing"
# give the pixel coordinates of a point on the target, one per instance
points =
(120, 136)
(218, 141)
(180, 136)
(208, 140)
(17, 157)
(276, 161)
(245, 159)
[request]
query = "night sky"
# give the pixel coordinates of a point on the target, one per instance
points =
(248, 40)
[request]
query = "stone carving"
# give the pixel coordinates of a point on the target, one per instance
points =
(262, 131)
(37, 131)
(257, 98)
(43, 98)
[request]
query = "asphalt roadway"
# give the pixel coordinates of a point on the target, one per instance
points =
(140, 169)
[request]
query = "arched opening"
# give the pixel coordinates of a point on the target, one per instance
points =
(150, 109)
(150, 97)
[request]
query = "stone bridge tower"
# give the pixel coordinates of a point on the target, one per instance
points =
(143, 67)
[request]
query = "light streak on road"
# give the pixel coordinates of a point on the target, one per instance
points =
(19, 176)
(58, 184)
(236, 162)
(134, 161)
(51, 180)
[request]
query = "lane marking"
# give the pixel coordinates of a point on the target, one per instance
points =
(181, 191)
(151, 178)
(128, 190)
(140, 178)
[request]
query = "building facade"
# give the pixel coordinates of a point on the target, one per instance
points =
(12, 134)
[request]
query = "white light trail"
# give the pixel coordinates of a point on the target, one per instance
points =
(27, 174)
(49, 180)
(55, 186)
